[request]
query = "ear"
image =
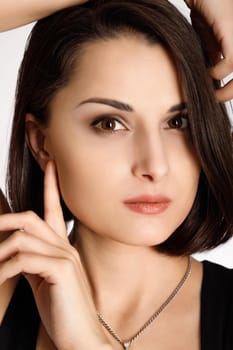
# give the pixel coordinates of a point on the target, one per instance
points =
(37, 140)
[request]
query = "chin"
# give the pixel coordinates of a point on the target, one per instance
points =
(145, 239)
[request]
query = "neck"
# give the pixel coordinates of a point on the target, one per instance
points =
(131, 276)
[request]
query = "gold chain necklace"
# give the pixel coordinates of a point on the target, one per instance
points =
(126, 344)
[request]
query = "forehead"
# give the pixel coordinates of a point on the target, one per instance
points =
(128, 68)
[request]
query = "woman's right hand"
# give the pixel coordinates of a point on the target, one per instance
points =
(18, 13)
(42, 252)
(219, 16)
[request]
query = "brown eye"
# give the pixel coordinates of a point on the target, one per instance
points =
(178, 122)
(107, 124)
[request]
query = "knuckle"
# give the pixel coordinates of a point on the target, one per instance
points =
(17, 239)
(30, 217)
(30, 214)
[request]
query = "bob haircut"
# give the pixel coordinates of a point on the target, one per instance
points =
(53, 52)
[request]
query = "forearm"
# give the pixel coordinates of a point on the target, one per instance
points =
(17, 13)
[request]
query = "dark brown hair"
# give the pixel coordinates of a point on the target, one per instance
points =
(53, 50)
(4, 208)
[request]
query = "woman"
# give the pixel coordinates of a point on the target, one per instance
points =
(119, 139)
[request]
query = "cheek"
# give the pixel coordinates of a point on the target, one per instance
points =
(185, 166)
(189, 185)
(86, 176)
(78, 177)
(183, 183)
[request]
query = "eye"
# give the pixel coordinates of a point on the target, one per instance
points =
(107, 123)
(179, 122)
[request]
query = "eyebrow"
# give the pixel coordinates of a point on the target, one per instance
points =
(178, 107)
(122, 106)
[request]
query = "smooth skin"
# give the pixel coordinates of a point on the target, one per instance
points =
(218, 14)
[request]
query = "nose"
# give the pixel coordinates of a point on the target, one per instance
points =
(150, 160)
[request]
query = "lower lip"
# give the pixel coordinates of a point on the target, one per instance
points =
(148, 208)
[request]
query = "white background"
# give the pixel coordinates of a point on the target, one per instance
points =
(12, 45)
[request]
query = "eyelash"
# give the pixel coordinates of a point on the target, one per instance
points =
(180, 116)
(105, 118)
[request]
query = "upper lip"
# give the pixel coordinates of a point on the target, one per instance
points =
(146, 198)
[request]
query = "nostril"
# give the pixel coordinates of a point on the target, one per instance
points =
(150, 177)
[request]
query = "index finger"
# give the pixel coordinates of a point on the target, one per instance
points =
(53, 214)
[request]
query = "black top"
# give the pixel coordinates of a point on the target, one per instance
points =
(217, 308)
(19, 327)
(20, 324)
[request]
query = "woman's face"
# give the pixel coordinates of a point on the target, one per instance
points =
(119, 131)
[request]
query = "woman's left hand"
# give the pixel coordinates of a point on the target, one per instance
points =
(219, 16)
(42, 252)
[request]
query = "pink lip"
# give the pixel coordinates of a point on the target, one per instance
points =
(147, 204)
